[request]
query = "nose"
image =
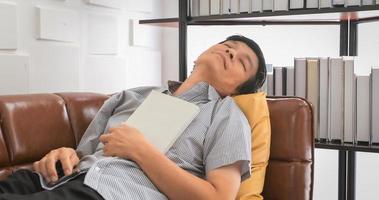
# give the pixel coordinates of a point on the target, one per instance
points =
(232, 53)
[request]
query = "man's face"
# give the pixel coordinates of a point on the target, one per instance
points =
(228, 65)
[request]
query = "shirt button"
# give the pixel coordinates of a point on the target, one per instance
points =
(97, 169)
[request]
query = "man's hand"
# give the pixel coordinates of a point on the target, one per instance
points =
(46, 166)
(124, 141)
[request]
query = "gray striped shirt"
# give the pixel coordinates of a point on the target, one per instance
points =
(218, 136)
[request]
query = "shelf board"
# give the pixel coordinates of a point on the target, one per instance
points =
(302, 16)
(349, 147)
(163, 22)
(336, 13)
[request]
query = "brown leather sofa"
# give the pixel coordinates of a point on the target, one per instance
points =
(32, 125)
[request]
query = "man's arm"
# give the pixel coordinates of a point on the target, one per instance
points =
(127, 142)
(176, 183)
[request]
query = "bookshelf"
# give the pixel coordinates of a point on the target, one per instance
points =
(347, 18)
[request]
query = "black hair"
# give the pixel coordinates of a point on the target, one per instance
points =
(255, 81)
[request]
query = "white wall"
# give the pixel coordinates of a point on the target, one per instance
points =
(280, 45)
(78, 46)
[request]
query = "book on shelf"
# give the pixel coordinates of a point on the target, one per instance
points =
(225, 6)
(377, 1)
(290, 81)
(280, 5)
(326, 4)
(215, 7)
(267, 5)
(368, 2)
(279, 81)
(296, 4)
(375, 104)
(335, 101)
(195, 8)
(363, 108)
(204, 8)
(234, 6)
(300, 77)
(349, 100)
(270, 84)
(312, 4)
(352, 3)
(338, 2)
(245, 6)
(323, 102)
(264, 86)
(256, 5)
(313, 89)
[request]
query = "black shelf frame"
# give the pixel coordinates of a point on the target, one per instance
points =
(348, 22)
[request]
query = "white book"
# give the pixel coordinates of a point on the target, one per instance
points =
(225, 6)
(300, 77)
(256, 5)
(336, 76)
(312, 4)
(375, 104)
(338, 2)
(270, 84)
(326, 4)
(363, 108)
(215, 7)
(264, 86)
(234, 6)
(323, 104)
(280, 5)
(279, 81)
(368, 2)
(377, 1)
(245, 6)
(349, 101)
(313, 89)
(162, 119)
(296, 4)
(352, 3)
(195, 8)
(290, 81)
(204, 7)
(267, 5)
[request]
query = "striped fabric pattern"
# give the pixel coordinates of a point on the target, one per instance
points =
(218, 136)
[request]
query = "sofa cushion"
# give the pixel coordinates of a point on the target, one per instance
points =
(4, 159)
(289, 175)
(32, 125)
(82, 108)
(254, 106)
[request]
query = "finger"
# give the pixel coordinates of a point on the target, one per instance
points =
(64, 157)
(43, 170)
(50, 167)
(74, 160)
(36, 166)
(104, 138)
(106, 150)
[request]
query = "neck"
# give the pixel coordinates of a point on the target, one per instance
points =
(192, 80)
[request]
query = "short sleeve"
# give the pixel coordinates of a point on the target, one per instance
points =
(228, 139)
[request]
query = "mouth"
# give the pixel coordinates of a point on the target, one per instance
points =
(223, 58)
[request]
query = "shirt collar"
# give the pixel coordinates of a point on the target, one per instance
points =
(200, 92)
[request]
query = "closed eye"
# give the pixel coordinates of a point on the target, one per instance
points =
(243, 65)
(227, 45)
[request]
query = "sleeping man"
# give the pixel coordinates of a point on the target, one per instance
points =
(114, 161)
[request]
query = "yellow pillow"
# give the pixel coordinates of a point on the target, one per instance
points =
(255, 108)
